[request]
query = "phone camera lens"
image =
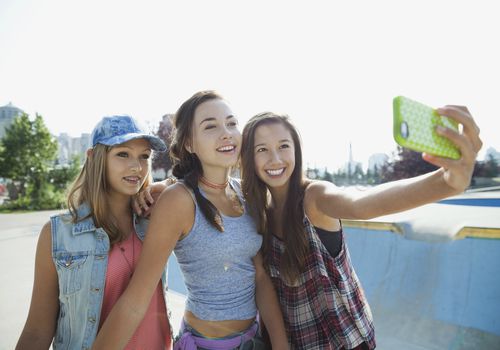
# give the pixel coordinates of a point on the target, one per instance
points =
(404, 130)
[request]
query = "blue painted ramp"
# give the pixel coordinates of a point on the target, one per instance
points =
(429, 295)
(423, 295)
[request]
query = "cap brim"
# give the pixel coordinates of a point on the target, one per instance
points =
(156, 143)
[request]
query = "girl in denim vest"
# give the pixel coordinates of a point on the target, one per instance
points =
(86, 257)
(203, 219)
(303, 243)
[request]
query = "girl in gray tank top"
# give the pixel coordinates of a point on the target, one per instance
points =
(218, 268)
(203, 218)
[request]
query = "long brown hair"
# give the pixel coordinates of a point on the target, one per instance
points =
(91, 187)
(258, 197)
(187, 165)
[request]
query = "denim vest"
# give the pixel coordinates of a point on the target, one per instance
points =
(80, 254)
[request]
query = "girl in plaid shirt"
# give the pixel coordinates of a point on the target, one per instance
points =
(322, 301)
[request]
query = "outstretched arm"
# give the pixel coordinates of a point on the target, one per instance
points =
(452, 178)
(168, 222)
(268, 305)
(40, 326)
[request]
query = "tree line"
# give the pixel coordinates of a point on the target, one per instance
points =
(35, 181)
(406, 163)
(28, 163)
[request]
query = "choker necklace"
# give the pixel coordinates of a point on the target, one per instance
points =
(213, 184)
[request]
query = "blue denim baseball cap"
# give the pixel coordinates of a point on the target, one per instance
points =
(118, 129)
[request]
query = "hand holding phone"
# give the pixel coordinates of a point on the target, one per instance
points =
(415, 125)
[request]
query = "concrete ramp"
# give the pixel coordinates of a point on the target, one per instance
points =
(423, 295)
(428, 293)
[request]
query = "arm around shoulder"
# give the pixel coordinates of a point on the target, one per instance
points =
(41, 323)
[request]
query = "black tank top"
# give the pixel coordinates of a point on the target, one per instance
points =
(332, 240)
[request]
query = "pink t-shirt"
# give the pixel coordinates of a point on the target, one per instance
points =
(153, 332)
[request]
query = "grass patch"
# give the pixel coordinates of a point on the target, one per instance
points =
(14, 211)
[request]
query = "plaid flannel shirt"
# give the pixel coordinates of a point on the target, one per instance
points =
(326, 307)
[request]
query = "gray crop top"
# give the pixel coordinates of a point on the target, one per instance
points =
(217, 266)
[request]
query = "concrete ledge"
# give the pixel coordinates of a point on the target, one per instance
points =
(439, 222)
(465, 232)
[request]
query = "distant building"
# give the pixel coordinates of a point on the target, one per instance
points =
(7, 115)
(352, 165)
(68, 146)
(377, 160)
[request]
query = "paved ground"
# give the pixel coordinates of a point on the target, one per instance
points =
(424, 294)
(18, 239)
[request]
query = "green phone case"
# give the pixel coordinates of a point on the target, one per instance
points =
(415, 128)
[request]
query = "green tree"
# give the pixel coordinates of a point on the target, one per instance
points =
(340, 178)
(486, 168)
(28, 150)
(61, 175)
(327, 176)
(358, 175)
(407, 164)
(373, 176)
(491, 166)
(312, 173)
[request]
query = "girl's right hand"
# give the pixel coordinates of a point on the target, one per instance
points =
(457, 174)
(143, 201)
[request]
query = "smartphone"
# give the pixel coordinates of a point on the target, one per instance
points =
(414, 127)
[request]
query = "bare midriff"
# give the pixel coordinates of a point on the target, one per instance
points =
(217, 329)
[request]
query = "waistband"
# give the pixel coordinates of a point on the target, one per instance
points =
(190, 341)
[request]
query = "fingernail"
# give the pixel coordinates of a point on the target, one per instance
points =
(440, 129)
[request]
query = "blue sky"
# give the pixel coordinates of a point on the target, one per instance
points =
(333, 66)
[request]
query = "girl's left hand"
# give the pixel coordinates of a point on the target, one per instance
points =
(458, 173)
(143, 201)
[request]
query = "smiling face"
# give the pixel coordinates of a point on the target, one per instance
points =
(274, 155)
(127, 167)
(216, 138)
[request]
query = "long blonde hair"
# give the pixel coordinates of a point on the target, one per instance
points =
(91, 187)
